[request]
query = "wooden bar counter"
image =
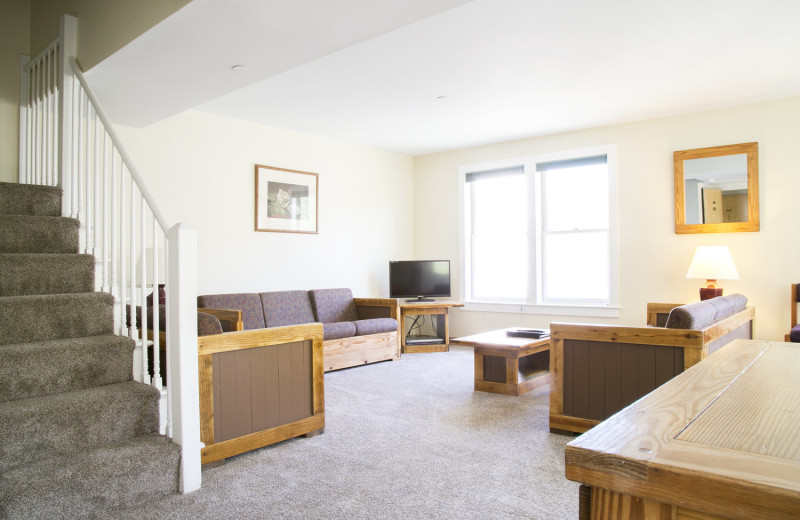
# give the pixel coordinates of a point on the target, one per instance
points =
(719, 441)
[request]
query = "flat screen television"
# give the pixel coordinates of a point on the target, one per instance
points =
(419, 280)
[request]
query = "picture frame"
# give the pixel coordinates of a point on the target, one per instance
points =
(286, 200)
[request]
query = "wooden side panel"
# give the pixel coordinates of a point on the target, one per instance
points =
(646, 369)
(597, 384)
(494, 369)
(602, 378)
(613, 378)
(580, 381)
(744, 331)
(568, 377)
(628, 386)
(260, 388)
(258, 402)
(270, 388)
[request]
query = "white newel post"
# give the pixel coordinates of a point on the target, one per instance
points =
(68, 34)
(182, 366)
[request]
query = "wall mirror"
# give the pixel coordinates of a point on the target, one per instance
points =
(716, 189)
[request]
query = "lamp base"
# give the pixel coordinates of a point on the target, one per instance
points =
(710, 292)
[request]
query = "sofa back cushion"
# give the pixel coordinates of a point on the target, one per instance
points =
(248, 303)
(333, 305)
(286, 308)
(697, 315)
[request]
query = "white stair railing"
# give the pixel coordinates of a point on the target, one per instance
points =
(67, 140)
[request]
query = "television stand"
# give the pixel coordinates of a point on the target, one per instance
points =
(439, 309)
(420, 299)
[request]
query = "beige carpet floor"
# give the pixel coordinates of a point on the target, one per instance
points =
(408, 439)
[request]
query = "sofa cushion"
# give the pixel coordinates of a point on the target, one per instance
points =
(697, 315)
(283, 308)
(333, 305)
(375, 326)
(248, 303)
(794, 334)
(208, 324)
(342, 329)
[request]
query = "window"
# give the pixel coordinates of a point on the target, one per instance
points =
(540, 232)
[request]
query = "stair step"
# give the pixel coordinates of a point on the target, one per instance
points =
(64, 365)
(92, 484)
(28, 199)
(41, 427)
(46, 317)
(29, 273)
(34, 234)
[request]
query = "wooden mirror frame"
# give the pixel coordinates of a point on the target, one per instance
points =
(752, 223)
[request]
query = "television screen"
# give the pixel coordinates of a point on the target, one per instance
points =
(419, 278)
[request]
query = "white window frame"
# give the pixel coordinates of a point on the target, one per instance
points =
(610, 309)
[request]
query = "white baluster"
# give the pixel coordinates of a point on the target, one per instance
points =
(143, 287)
(46, 121)
(85, 174)
(37, 143)
(122, 265)
(29, 148)
(133, 331)
(89, 177)
(50, 174)
(73, 144)
(80, 138)
(156, 311)
(106, 171)
(96, 216)
(119, 305)
(55, 159)
(168, 426)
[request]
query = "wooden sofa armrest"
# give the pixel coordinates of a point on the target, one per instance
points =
(375, 306)
(656, 309)
(232, 316)
(244, 339)
(624, 334)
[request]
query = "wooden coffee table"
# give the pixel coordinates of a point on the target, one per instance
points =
(508, 365)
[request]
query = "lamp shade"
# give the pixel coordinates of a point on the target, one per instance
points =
(713, 263)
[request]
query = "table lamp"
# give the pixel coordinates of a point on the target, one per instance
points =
(712, 263)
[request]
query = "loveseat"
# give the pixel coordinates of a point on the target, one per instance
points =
(596, 370)
(356, 331)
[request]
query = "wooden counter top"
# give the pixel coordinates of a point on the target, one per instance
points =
(721, 440)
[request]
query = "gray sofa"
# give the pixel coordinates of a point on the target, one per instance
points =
(596, 370)
(356, 331)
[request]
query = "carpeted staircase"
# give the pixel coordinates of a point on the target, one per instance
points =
(78, 437)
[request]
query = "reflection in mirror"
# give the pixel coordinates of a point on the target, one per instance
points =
(716, 189)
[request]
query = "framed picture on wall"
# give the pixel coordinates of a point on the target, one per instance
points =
(286, 200)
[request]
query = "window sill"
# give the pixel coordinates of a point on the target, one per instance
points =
(597, 311)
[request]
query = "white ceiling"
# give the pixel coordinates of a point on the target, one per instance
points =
(422, 76)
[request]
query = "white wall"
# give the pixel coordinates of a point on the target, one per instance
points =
(14, 34)
(653, 259)
(200, 168)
